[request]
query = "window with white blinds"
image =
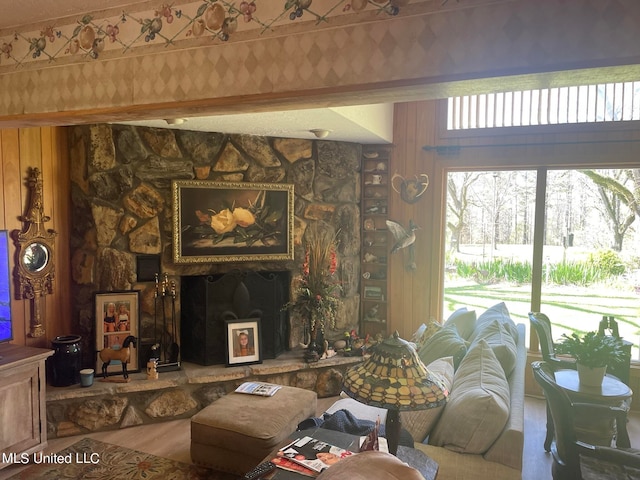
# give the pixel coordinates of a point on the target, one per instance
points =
(610, 102)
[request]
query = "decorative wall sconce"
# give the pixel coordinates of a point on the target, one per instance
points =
(34, 270)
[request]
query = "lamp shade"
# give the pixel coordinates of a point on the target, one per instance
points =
(395, 378)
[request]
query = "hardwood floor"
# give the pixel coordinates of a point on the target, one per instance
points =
(172, 439)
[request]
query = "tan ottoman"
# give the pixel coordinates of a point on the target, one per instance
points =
(237, 431)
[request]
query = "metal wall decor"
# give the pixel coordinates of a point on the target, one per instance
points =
(34, 270)
(410, 190)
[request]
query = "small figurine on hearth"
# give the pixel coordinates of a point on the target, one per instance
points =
(152, 369)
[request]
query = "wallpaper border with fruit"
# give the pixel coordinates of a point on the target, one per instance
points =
(195, 24)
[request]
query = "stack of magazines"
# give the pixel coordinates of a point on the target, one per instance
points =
(310, 453)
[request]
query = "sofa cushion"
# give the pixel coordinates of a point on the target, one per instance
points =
(478, 406)
(368, 465)
(420, 422)
(444, 343)
(501, 342)
(425, 332)
(500, 313)
(464, 320)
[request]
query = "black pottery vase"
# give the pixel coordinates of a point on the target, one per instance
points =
(66, 361)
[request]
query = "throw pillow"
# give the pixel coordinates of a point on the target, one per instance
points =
(425, 332)
(497, 312)
(464, 320)
(478, 406)
(444, 343)
(501, 342)
(420, 422)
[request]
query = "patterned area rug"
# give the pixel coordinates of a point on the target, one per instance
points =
(91, 459)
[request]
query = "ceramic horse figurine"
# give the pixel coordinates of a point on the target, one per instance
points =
(123, 354)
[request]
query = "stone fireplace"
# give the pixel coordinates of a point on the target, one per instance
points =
(209, 300)
(122, 209)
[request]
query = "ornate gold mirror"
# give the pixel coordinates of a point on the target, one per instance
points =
(34, 270)
(35, 257)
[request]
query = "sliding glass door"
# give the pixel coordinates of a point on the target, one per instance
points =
(591, 252)
(489, 241)
(577, 263)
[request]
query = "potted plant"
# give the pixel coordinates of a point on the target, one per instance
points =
(593, 353)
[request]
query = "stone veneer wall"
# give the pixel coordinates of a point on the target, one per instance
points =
(121, 199)
(179, 394)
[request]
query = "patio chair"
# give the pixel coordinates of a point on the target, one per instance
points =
(574, 459)
(542, 325)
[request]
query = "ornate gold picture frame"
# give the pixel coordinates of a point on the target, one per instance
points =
(231, 222)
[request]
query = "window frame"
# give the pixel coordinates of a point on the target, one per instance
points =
(540, 148)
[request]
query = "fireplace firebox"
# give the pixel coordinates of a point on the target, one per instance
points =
(207, 301)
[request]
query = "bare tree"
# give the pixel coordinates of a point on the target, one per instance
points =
(620, 188)
(457, 190)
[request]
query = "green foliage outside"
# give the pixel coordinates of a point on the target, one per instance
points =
(600, 266)
(572, 309)
(608, 262)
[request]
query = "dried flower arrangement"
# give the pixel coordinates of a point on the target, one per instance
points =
(317, 297)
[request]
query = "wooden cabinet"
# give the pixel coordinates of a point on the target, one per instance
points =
(23, 419)
(375, 247)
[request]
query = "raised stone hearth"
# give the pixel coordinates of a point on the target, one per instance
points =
(179, 394)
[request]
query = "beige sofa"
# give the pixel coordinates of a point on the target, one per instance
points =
(500, 459)
(503, 460)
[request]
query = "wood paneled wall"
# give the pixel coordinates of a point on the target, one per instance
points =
(416, 296)
(413, 294)
(45, 148)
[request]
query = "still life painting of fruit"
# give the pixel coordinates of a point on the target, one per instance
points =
(221, 221)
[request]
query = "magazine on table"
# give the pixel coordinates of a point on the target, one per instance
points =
(314, 454)
(259, 388)
(288, 464)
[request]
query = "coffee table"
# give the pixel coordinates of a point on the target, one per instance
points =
(412, 457)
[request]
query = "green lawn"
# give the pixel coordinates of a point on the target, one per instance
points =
(570, 308)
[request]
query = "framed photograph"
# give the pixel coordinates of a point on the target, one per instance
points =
(117, 316)
(231, 222)
(373, 292)
(243, 342)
